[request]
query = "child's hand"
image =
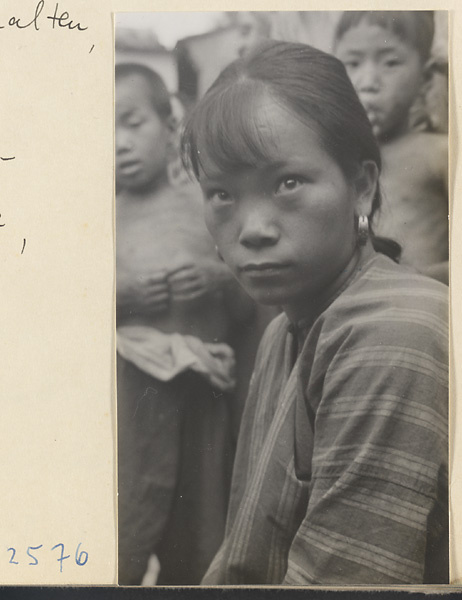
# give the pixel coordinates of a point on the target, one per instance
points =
(145, 294)
(188, 282)
(153, 292)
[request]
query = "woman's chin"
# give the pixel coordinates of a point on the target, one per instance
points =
(267, 297)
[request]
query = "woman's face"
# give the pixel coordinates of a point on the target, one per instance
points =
(286, 229)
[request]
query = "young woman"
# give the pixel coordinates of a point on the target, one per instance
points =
(341, 469)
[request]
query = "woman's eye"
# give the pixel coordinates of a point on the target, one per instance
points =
(289, 184)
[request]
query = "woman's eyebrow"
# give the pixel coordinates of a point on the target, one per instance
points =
(210, 176)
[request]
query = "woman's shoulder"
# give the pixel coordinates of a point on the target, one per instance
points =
(388, 302)
(383, 279)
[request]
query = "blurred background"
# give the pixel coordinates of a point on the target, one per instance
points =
(189, 49)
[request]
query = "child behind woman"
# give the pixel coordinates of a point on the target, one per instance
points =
(386, 54)
(341, 469)
(174, 312)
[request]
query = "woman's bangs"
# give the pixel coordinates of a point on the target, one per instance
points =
(223, 133)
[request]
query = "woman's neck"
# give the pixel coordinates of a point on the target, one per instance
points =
(313, 306)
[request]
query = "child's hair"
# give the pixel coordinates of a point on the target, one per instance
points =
(313, 85)
(159, 96)
(416, 27)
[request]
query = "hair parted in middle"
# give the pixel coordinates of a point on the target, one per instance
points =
(311, 84)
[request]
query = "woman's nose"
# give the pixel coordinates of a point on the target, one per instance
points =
(258, 230)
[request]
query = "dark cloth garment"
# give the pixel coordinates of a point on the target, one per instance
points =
(341, 468)
(174, 462)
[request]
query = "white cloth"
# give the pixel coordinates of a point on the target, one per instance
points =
(164, 356)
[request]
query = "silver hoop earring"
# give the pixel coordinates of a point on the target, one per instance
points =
(363, 230)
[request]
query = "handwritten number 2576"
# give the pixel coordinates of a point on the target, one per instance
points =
(81, 556)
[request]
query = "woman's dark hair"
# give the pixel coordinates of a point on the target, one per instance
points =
(313, 85)
(159, 96)
(415, 27)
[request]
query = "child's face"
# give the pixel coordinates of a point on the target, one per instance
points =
(142, 137)
(286, 229)
(386, 72)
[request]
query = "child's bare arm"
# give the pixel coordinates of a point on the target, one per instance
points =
(190, 281)
(145, 294)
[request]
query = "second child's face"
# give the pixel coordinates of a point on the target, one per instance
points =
(286, 229)
(386, 72)
(142, 137)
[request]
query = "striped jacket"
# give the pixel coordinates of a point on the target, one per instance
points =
(341, 469)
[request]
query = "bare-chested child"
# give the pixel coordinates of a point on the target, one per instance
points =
(174, 369)
(386, 56)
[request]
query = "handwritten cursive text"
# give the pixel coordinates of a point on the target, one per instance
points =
(58, 19)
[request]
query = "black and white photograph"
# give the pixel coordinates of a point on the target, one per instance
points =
(282, 282)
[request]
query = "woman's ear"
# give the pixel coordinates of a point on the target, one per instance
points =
(365, 187)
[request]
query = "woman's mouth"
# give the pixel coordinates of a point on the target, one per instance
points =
(264, 269)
